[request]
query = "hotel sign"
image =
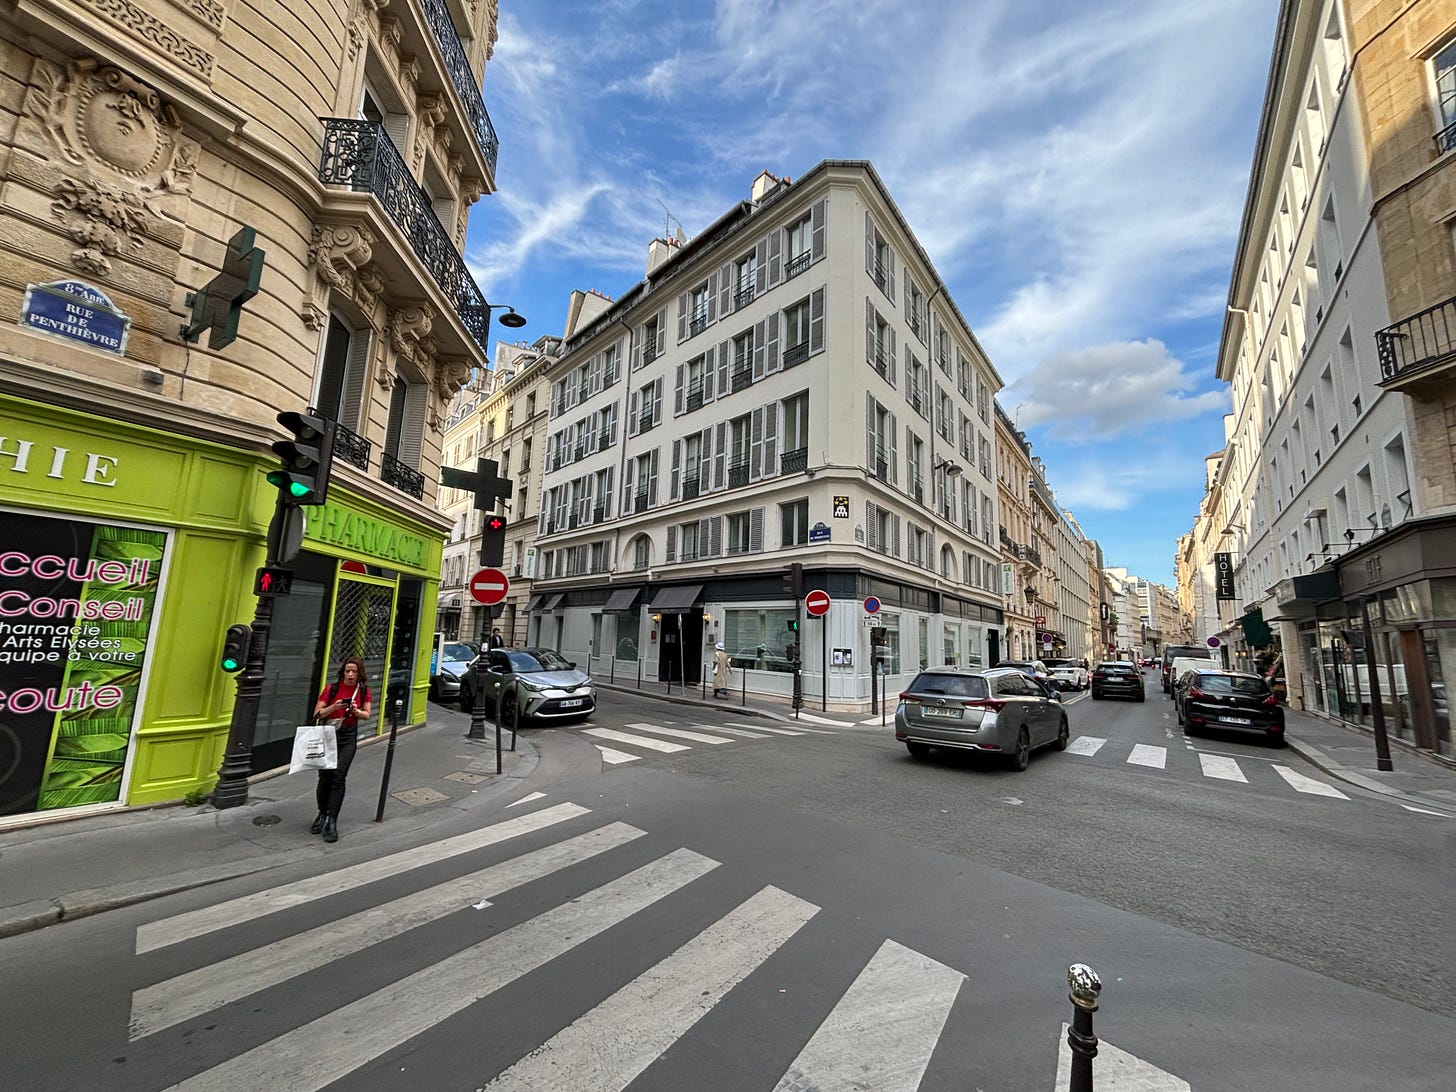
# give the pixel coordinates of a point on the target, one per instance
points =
(1223, 576)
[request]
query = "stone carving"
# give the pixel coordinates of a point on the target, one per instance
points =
(408, 330)
(153, 30)
(337, 253)
(209, 11)
(101, 218)
(450, 377)
(360, 21)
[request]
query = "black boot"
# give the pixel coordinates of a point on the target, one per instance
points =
(331, 829)
(317, 826)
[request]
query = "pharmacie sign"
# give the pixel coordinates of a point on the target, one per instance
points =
(77, 600)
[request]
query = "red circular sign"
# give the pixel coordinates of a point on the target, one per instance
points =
(489, 586)
(817, 603)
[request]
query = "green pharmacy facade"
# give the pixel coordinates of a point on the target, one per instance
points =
(125, 554)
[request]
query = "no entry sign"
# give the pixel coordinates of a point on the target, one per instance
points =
(489, 587)
(816, 603)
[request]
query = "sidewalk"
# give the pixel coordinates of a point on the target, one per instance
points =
(72, 868)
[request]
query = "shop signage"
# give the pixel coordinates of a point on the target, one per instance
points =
(1223, 577)
(339, 527)
(75, 311)
(77, 601)
(819, 532)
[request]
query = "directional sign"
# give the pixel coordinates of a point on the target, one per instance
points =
(816, 604)
(489, 586)
(871, 604)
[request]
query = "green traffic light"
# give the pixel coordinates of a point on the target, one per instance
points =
(229, 664)
(298, 489)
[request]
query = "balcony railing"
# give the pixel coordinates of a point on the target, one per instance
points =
(743, 296)
(645, 421)
(690, 489)
(351, 448)
(599, 513)
(738, 474)
(882, 277)
(882, 362)
(1418, 343)
(360, 155)
(448, 39)
(649, 350)
(1446, 139)
(882, 466)
(794, 462)
(796, 265)
(695, 396)
(639, 503)
(1006, 539)
(404, 478)
(698, 323)
(796, 354)
(580, 452)
(742, 378)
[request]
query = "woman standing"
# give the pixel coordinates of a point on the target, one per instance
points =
(344, 703)
(721, 665)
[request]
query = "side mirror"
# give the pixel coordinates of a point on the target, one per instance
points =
(571, 665)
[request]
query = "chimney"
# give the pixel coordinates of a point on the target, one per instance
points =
(764, 185)
(658, 251)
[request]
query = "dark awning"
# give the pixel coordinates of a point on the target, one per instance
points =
(678, 600)
(621, 599)
(553, 600)
(534, 602)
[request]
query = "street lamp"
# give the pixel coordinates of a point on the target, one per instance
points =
(951, 469)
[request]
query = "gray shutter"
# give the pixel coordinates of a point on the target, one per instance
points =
(682, 318)
(657, 399)
(677, 394)
(652, 477)
(817, 218)
(725, 362)
(758, 346)
(870, 435)
(412, 437)
(872, 525)
(775, 263)
(670, 554)
(715, 535)
(725, 290)
(870, 245)
(761, 264)
(816, 321)
(895, 535)
(770, 440)
(909, 307)
(892, 457)
(636, 361)
(890, 277)
(890, 357)
(755, 443)
(710, 365)
(869, 331)
(910, 467)
(705, 460)
(712, 298)
(632, 414)
(771, 351)
(672, 488)
(720, 455)
(755, 530)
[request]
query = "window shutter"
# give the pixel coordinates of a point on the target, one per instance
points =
(771, 352)
(761, 264)
(637, 340)
(633, 415)
(755, 443)
(930, 549)
(869, 331)
(657, 399)
(725, 290)
(869, 435)
(770, 440)
(720, 455)
(775, 264)
(725, 362)
(890, 357)
(712, 298)
(758, 352)
(711, 530)
(816, 321)
(629, 482)
(895, 535)
(705, 461)
(652, 477)
(893, 456)
(710, 365)
(890, 277)
(817, 218)
(412, 435)
(910, 467)
(677, 395)
(755, 530)
(352, 412)
(870, 245)
(670, 554)
(673, 481)
(682, 318)
(872, 525)
(909, 306)
(608, 493)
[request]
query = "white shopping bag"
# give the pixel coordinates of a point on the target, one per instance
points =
(315, 747)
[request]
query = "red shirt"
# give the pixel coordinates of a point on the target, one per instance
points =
(337, 691)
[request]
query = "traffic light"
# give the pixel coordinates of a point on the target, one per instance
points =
(493, 540)
(307, 458)
(793, 624)
(235, 648)
(794, 581)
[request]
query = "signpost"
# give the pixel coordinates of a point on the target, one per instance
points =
(816, 604)
(871, 604)
(1214, 642)
(489, 587)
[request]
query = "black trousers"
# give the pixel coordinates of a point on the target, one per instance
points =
(331, 782)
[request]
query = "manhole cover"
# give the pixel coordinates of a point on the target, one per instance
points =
(267, 820)
(465, 778)
(419, 796)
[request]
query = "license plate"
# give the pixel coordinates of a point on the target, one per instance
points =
(940, 711)
(1236, 720)
(571, 703)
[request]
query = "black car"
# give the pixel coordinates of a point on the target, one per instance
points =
(1233, 701)
(1118, 678)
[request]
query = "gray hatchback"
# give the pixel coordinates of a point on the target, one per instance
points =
(1000, 711)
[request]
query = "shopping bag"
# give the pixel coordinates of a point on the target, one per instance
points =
(315, 747)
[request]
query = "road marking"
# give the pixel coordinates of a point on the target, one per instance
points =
(1428, 811)
(742, 733)
(877, 722)
(1144, 755)
(331, 1047)
(1300, 783)
(640, 741)
(881, 1034)
(527, 799)
(814, 718)
(195, 923)
(1225, 769)
(206, 988)
(614, 757)
(1085, 745)
(679, 733)
(1115, 1070)
(775, 731)
(609, 1046)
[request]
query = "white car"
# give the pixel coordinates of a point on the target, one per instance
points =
(1069, 674)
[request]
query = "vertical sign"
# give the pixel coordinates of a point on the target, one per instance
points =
(1223, 576)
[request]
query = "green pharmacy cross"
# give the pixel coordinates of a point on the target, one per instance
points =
(218, 304)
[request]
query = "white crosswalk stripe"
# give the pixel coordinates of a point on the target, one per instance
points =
(1215, 766)
(1085, 745)
(741, 733)
(679, 733)
(639, 741)
(776, 731)
(1145, 755)
(1300, 783)
(1221, 767)
(614, 757)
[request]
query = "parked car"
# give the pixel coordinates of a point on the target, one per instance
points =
(538, 683)
(455, 660)
(1181, 664)
(1235, 701)
(1172, 652)
(1000, 711)
(1118, 677)
(1069, 674)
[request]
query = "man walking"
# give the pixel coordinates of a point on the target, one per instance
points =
(496, 640)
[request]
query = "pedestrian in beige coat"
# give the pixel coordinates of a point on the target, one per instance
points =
(721, 666)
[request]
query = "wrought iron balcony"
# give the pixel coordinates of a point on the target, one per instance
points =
(796, 265)
(1006, 539)
(604, 441)
(599, 513)
(743, 296)
(882, 466)
(639, 503)
(1446, 139)
(695, 395)
(645, 421)
(738, 474)
(742, 379)
(794, 462)
(580, 452)
(882, 277)
(698, 323)
(573, 521)
(796, 354)
(351, 448)
(649, 350)
(690, 489)
(448, 39)
(882, 362)
(1414, 347)
(360, 155)
(404, 478)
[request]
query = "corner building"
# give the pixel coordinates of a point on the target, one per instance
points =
(793, 385)
(142, 149)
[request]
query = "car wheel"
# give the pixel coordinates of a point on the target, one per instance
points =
(1278, 741)
(1021, 757)
(917, 750)
(509, 710)
(467, 700)
(1141, 696)
(1096, 695)
(1064, 736)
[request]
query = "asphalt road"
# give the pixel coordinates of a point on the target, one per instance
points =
(710, 919)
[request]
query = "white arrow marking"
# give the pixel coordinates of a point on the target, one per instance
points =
(1115, 1070)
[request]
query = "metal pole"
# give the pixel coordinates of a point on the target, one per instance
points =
(824, 662)
(477, 709)
(743, 677)
(398, 706)
(682, 663)
(884, 697)
(1377, 713)
(1085, 987)
(499, 702)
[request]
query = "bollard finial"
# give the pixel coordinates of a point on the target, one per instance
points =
(1082, 980)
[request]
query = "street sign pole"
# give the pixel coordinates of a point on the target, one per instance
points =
(824, 662)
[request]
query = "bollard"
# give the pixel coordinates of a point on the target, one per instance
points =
(743, 675)
(477, 710)
(1085, 986)
(395, 714)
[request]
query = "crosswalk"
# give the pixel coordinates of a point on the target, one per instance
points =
(1214, 766)
(881, 1032)
(665, 739)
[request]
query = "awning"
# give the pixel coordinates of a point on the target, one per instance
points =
(534, 602)
(621, 599)
(553, 600)
(678, 600)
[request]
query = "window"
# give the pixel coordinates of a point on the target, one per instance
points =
(882, 350)
(405, 431)
(794, 523)
(641, 552)
(651, 337)
(983, 402)
(884, 266)
(915, 311)
(687, 534)
(796, 333)
(797, 240)
(697, 373)
(796, 434)
(950, 645)
(742, 360)
(915, 465)
(647, 406)
(340, 380)
(738, 533)
(917, 384)
(739, 434)
(745, 272)
(698, 309)
(1444, 67)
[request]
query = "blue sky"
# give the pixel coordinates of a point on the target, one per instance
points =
(1075, 168)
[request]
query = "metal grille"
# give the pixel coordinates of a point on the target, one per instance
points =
(362, 628)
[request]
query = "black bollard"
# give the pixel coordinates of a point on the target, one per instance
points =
(1085, 987)
(477, 710)
(396, 711)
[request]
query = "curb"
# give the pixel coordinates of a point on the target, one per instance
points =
(738, 710)
(1322, 761)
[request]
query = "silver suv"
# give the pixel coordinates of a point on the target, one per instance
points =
(1000, 712)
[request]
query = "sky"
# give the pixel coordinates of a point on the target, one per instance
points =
(1076, 170)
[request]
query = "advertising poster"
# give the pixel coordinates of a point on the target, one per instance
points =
(76, 607)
